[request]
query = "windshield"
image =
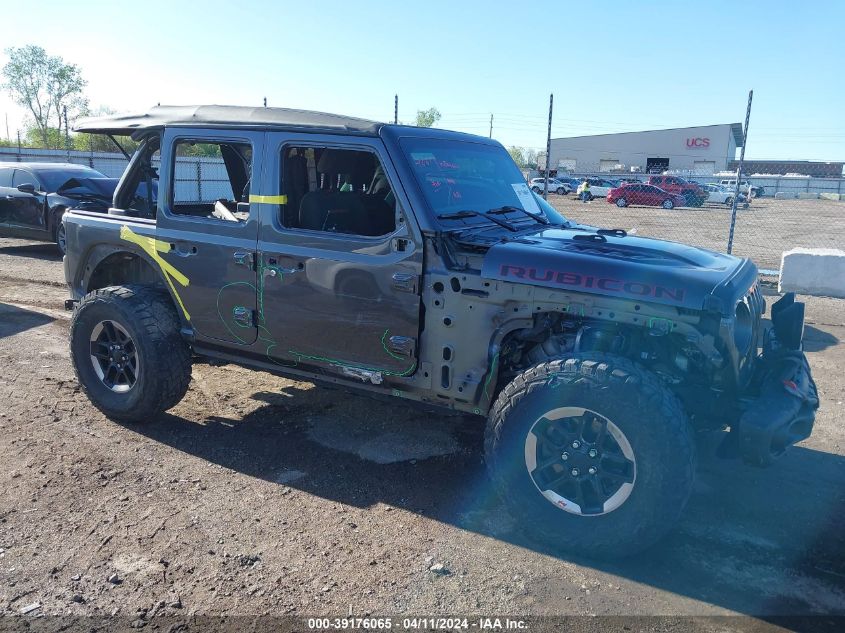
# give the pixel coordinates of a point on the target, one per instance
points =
(458, 176)
(55, 178)
(79, 185)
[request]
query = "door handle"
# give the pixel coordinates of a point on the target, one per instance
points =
(275, 270)
(243, 258)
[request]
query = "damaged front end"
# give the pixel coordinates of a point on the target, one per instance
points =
(779, 406)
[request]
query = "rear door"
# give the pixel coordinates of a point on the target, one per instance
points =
(340, 261)
(207, 230)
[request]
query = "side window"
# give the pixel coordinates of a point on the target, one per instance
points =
(22, 177)
(336, 191)
(212, 179)
(5, 177)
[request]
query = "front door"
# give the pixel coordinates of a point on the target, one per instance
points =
(26, 209)
(207, 230)
(339, 260)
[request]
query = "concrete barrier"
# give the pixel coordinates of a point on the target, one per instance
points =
(813, 271)
(804, 195)
(831, 196)
(785, 195)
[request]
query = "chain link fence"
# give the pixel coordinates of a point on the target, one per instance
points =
(778, 212)
(774, 213)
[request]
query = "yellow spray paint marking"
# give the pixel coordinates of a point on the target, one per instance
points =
(153, 247)
(253, 197)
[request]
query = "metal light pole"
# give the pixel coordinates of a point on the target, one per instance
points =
(548, 148)
(739, 173)
(491, 125)
(395, 109)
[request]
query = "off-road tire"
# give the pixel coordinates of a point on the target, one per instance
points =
(150, 319)
(641, 406)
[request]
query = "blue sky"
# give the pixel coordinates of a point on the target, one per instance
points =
(612, 66)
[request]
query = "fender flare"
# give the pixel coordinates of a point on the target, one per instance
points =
(97, 255)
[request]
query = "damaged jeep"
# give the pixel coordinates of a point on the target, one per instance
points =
(416, 263)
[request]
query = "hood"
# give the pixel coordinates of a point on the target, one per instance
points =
(628, 267)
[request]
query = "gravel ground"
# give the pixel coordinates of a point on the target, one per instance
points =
(261, 495)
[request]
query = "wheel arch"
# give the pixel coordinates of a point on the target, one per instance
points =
(113, 266)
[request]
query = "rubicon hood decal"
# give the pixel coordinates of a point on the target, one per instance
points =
(629, 267)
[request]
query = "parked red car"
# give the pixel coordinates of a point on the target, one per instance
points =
(648, 195)
(691, 191)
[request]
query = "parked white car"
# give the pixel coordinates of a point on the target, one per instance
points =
(720, 194)
(599, 187)
(746, 187)
(537, 185)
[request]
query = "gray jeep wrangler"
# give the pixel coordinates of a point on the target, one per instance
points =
(416, 263)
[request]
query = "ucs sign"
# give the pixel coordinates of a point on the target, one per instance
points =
(698, 142)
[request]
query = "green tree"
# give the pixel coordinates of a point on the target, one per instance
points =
(45, 85)
(518, 155)
(427, 118)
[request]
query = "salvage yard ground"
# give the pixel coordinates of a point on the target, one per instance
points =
(763, 231)
(260, 495)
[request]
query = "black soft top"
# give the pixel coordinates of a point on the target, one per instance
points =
(227, 116)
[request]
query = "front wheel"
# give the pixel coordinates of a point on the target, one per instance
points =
(536, 190)
(668, 204)
(729, 201)
(621, 202)
(560, 191)
(59, 236)
(593, 453)
(128, 354)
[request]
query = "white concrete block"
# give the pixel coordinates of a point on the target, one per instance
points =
(785, 195)
(806, 195)
(831, 196)
(813, 271)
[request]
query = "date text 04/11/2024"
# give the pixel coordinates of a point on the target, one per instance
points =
(418, 623)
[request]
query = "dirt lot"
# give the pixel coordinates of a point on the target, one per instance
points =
(763, 231)
(262, 495)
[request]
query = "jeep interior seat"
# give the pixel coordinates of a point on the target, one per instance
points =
(335, 211)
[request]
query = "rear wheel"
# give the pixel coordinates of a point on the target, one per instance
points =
(621, 202)
(668, 204)
(536, 190)
(127, 352)
(560, 191)
(593, 453)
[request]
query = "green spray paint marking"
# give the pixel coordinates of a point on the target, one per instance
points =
(490, 374)
(271, 342)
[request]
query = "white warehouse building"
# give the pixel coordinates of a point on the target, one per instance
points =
(692, 150)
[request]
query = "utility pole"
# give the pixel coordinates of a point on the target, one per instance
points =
(265, 102)
(548, 148)
(491, 125)
(395, 109)
(67, 133)
(19, 146)
(8, 138)
(739, 172)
